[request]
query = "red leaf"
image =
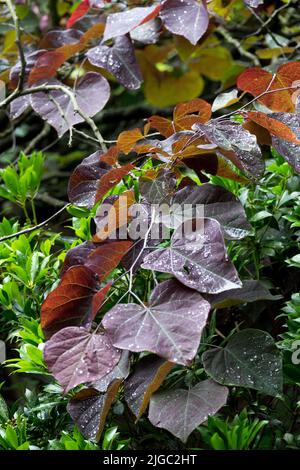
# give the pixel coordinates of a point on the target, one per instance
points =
(257, 81)
(107, 257)
(69, 303)
(46, 66)
(275, 127)
(99, 298)
(111, 179)
(80, 11)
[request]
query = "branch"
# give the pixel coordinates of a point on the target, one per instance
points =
(36, 227)
(19, 45)
(231, 40)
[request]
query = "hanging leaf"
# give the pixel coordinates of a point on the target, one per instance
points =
(99, 299)
(77, 255)
(75, 356)
(170, 327)
(289, 150)
(91, 93)
(119, 24)
(251, 291)
(107, 257)
(89, 410)
(110, 179)
(214, 202)
(181, 411)
(197, 258)
(188, 18)
(128, 139)
(249, 359)
(121, 371)
(237, 144)
(144, 381)
(70, 303)
(119, 60)
(147, 33)
(56, 38)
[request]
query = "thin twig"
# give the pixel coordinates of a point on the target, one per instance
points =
(36, 227)
(43, 133)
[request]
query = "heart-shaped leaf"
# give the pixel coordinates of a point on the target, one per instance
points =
(181, 411)
(91, 93)
(119, 60)
(188, 18)
(170, 327)
(74, 356)
(121, 371)
(197, 257)
(213, 202)
(290, 151)
(249, 359)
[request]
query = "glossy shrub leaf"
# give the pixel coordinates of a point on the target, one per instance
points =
(89, 409)
(78, 255)
(120, 371)
(197, 258)
(170, 326)
(147, 33)
(92, 93)
(46, 66)
(188, 18)
(214, 202)
(251, 291)
(237, 144)
(289, 150)
(181, 411)
(110, 179)
(249, 359)
(99, 299)
(147, 377)
(70, 302)
(75, 356)
(118, 24)
(128, 139)
(118, 59)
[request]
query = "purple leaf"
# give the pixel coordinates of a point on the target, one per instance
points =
(214, 202)
(19, 105)
(92, 93)
(251, 291)
(83, 183)
(78, 255)
(181, 411)
(289, 151)
(197, 258)
(188, 18)
(74, 356)
(249, 359)
(170, 327)
(119, 24)
(238, 144)
(59, 37)
(121, 371)
(144, 381)
(147, 33)
(89, 409)
(119, 60)
(159, 189)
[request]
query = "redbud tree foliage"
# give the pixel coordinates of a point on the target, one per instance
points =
(224, 87)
